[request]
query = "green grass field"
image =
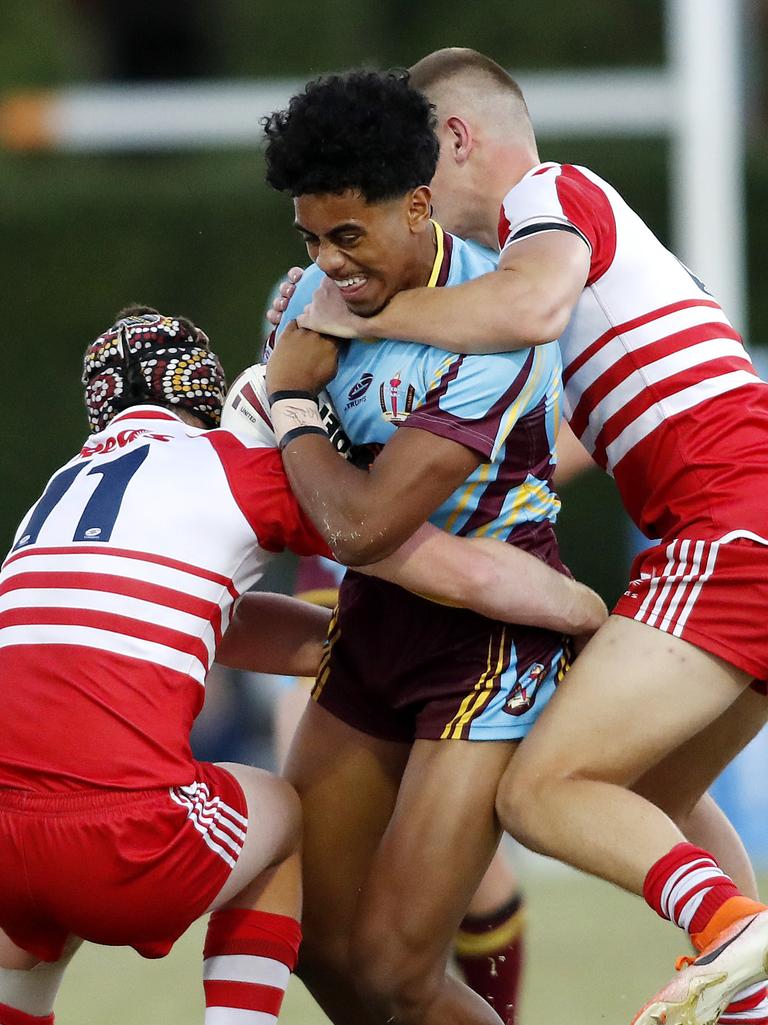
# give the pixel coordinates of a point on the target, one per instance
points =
(594, 956)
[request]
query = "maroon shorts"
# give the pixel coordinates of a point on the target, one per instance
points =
(400, 667)
(124, 868)
(713, 594)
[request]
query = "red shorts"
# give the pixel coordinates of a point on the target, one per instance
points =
(713, 594)
(124, 868)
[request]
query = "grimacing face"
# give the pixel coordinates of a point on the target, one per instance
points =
(370, 250)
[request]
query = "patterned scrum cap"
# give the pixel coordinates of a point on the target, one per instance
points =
(151, 358)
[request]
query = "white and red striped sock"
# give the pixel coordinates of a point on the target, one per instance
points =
(688, 887)
(12, 1016)
(249, 957)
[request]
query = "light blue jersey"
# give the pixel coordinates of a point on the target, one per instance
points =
(450, 674)
(505, 407)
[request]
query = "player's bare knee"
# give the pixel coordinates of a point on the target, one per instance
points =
(516, 800)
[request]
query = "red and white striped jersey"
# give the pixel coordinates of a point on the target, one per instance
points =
(118, 589)
(658, 385)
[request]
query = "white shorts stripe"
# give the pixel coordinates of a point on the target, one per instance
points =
(195, 789)
(747, 534)
(247, 968)
(210, 821)
(682, 587)
(671, 555)
(672, 579)
(688, 608)
(674, 592)
(210, 818)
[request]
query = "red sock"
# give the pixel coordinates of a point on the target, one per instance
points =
(249, 956)
(10, 1016)
(489, 951)
(688, 887)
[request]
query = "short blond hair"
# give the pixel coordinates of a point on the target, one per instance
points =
(475, 86)
(444, 66)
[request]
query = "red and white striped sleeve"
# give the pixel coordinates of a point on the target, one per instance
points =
(561, 197)
(259, 485)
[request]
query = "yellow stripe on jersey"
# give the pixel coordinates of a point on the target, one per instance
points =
(437, 376)
(436, 266)
(534, 493)
(557, 412)
(483, 473)
(477, 698)
(513, 413)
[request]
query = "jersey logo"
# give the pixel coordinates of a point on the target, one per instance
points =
(524, 694)
(393, 409)
(357, 392)
(120, 440)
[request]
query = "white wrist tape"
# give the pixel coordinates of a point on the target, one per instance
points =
(290, 414)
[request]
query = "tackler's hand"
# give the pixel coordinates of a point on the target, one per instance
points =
(280, 302)
(329, 314)
(302, 361)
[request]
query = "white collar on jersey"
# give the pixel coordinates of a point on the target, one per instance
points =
(145, 411)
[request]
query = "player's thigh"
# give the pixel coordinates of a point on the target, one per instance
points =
(439, 843)
(347, 782)
(633, 695)
(274, 826)
(684, 775)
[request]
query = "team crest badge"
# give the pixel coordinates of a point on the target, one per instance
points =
(393, 408)
(523, 696)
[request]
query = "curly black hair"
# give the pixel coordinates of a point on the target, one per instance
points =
(364, 130)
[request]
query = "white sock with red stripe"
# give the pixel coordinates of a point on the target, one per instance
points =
(249, 957)
(688, 887)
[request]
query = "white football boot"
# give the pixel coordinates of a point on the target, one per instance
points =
(702, 990)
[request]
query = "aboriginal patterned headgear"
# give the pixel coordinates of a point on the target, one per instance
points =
(146, 357)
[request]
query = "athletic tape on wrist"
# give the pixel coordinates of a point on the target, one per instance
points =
(297, 432)
(277, 396)
(289, 414)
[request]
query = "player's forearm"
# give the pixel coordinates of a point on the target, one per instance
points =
(271, 633)
(520, 588)
(343, 503)
(498, 312)
(492, 578)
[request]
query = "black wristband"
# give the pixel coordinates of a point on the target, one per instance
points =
(297, 433)
(276, 396)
